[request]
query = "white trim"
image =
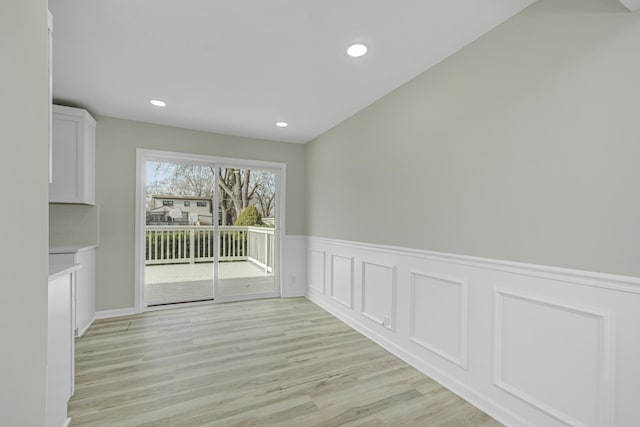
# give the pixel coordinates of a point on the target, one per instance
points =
(460, 360)
(294, 292)
(280, 211)
(120, 312)
(144, 155)
(67, 422)
(580, 277)
(139, 231)
(216, 230)
(83, 331)
(605, 357)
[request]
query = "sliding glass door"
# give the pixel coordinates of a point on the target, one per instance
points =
(210, 231)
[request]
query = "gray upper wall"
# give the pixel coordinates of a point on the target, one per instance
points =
(116, 144)
(523, 146)
(24, 170)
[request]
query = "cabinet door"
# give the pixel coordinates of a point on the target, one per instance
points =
(59, 349)
(65, 187)
(73, 136)
(85, 290)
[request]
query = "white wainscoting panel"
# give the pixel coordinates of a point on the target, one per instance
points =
(530, 345)
(438, 316)
(294, 276)
(555, 356)
(316, 260)
(379, 293)
(342, 279)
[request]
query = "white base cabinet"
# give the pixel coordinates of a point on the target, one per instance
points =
(73, 151)
(60, 349)
(85, 287)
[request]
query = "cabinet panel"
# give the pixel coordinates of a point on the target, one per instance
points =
(73, 169)
(60, 347)
(85, 290)
(85, 285)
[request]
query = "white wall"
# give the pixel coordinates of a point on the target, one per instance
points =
(116, 143)
(24, 217)
(522, 146)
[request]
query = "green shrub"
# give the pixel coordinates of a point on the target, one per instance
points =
(249, 217)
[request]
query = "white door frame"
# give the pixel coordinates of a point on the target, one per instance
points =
(144, 155)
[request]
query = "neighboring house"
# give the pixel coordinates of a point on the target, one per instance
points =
(184, 210)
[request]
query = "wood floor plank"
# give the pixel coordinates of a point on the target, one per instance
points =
(278, 362)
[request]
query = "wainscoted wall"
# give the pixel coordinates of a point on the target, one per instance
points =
(530, 345)
(294, 266)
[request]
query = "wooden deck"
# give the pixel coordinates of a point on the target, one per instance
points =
(175, 283)
(273, 362)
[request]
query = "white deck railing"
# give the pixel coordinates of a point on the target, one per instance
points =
(182, 244)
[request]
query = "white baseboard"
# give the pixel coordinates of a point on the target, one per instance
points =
(294, 292)
(530, 345)
(108, 314)
(83, 331)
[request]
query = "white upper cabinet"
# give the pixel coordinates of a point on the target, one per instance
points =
(74, 147)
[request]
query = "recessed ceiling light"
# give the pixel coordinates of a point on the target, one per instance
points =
(282, 124)
(158, 103)
(357, 50)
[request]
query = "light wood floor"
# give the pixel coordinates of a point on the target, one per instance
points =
(277, 362)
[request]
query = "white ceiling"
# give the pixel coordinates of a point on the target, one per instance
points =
(237, 67)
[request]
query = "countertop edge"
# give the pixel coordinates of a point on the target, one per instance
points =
(70, 249)
(58, 270)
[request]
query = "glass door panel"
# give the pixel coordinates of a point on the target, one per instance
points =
(179, 233)
(246, 233)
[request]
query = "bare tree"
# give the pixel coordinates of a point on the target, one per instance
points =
(265, 192)
(236, 184)
(182, 180)
(192, 180)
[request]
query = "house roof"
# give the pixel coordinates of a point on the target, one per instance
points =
(174, 197)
